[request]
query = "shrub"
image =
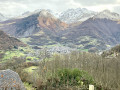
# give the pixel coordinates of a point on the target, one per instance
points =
(71, 77)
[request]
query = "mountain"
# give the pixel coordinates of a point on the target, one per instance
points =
(108, 15)
(76, 15)
(93, 33)
(7, 42)
(43, 20)
(42, 28)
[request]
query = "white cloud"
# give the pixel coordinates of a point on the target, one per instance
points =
(117, 8)
(102, 7)
(118, 1)
(96, 2)
(13, 7)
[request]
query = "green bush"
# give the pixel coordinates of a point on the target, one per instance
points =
(74, 77)
(71, 77)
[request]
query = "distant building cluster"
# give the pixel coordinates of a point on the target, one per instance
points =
(59, 49)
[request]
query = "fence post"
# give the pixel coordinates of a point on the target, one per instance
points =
(91, 87)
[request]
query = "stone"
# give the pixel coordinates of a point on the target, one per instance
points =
(10, 80)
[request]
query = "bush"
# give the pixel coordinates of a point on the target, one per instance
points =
(71, 77)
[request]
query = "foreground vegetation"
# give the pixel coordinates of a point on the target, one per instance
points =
(69, 71)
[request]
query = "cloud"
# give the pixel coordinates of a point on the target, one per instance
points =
(11, 8)
(103, 7)
(117, 9)
(96, 2)
(16, 7)
(19, 6)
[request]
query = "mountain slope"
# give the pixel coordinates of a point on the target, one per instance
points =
(93, 33)
(7, 42)
(48, 21)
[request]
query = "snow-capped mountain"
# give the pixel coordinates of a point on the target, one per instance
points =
(69, 16)
(75, 15)
(108, 15)
(56, 14)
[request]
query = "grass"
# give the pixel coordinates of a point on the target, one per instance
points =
(11, 54)
(30, 69)
(26, 49)
(25, 40)
(20, 52)
(28, 86)
(92, 41)
(86, 50)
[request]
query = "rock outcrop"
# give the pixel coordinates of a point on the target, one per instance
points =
(10, 80)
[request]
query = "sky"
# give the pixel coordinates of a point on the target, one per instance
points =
(17, 7)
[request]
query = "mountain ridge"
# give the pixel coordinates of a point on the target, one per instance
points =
(7, 42)
(43, 28)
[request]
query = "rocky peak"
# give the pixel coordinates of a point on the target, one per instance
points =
(48, 21)
(46, 14)
(76, 15)
(108, 15)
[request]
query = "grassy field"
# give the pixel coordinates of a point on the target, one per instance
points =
(31, 69)
(11, 54)
(17, 53)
